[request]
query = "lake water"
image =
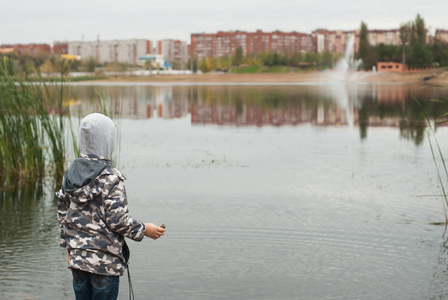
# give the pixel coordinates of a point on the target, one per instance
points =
(267, 192)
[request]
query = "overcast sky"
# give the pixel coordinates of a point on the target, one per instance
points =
(46, 21)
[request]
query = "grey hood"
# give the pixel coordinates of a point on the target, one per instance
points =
(97, 135)
(81, 173)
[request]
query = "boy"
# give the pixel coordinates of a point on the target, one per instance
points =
(92, 214)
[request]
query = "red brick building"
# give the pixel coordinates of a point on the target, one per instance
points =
(225, 43)
(391, 67)
(31, 49)
(60, 48)
(334, 41)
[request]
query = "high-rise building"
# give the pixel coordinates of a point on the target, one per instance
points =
(225, 43)
(119, 51)
(333, 41)
(386, 37)
(173, 50)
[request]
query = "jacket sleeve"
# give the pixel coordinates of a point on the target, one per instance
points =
(116, 210)
(62, 213)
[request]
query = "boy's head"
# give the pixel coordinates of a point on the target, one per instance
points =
(97, 135)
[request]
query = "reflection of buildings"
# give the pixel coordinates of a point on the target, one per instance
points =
(256, 116)
(392, 93)
(146, 102)
(380, 105)
(398, 93)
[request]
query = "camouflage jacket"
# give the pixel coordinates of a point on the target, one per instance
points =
(93, 218)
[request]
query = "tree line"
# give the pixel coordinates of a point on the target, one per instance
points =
(415, 51)
(25, 65)
(295, 59)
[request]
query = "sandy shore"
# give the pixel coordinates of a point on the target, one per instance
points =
(433, 77)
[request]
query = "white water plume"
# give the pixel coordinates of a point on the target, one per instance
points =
(342, 81)
(346, 68)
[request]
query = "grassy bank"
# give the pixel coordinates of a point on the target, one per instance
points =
(257, 75)
(66, 79)
(260, 69)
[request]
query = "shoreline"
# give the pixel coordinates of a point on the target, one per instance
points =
(426, 77)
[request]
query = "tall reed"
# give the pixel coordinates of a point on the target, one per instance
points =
(436, 152)
(32, 129)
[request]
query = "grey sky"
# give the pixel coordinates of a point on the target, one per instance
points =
(46, 21)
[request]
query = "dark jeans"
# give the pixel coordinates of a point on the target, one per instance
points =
(89, 286)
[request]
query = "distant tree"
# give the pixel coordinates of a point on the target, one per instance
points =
(406, 33)
(89, 64)
(75, 64)
(310, 58)
(293, 58)
(419, 30)
(406, 39)
(148, 65)
(439, 51)
(366, 52)
(364, 44)
(224, 62)
(327, 58)
(420, 53)
(176, 65)
(193, 64)
(54, 64)
(421, 56)
(388, 53)
(114, 66)
(239, 55)
(414, 46)
(205, 65)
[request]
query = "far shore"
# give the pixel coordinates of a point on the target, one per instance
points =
(426, 77)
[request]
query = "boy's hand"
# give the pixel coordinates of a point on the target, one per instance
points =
(153, 231)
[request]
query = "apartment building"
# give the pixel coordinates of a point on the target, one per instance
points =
(173, 50)
(336, 40)
(60, 48)
(31, 49)
(321, 40)
(442, 35)
(225, 43)
(119, 51)
(387, 37)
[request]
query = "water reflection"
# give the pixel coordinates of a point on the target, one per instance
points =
(30, 259)
(275, 213)
(361, 106)
(439, 280)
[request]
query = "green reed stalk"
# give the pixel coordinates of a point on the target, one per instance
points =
(36, 126)
(434, 157)
(32, 129)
